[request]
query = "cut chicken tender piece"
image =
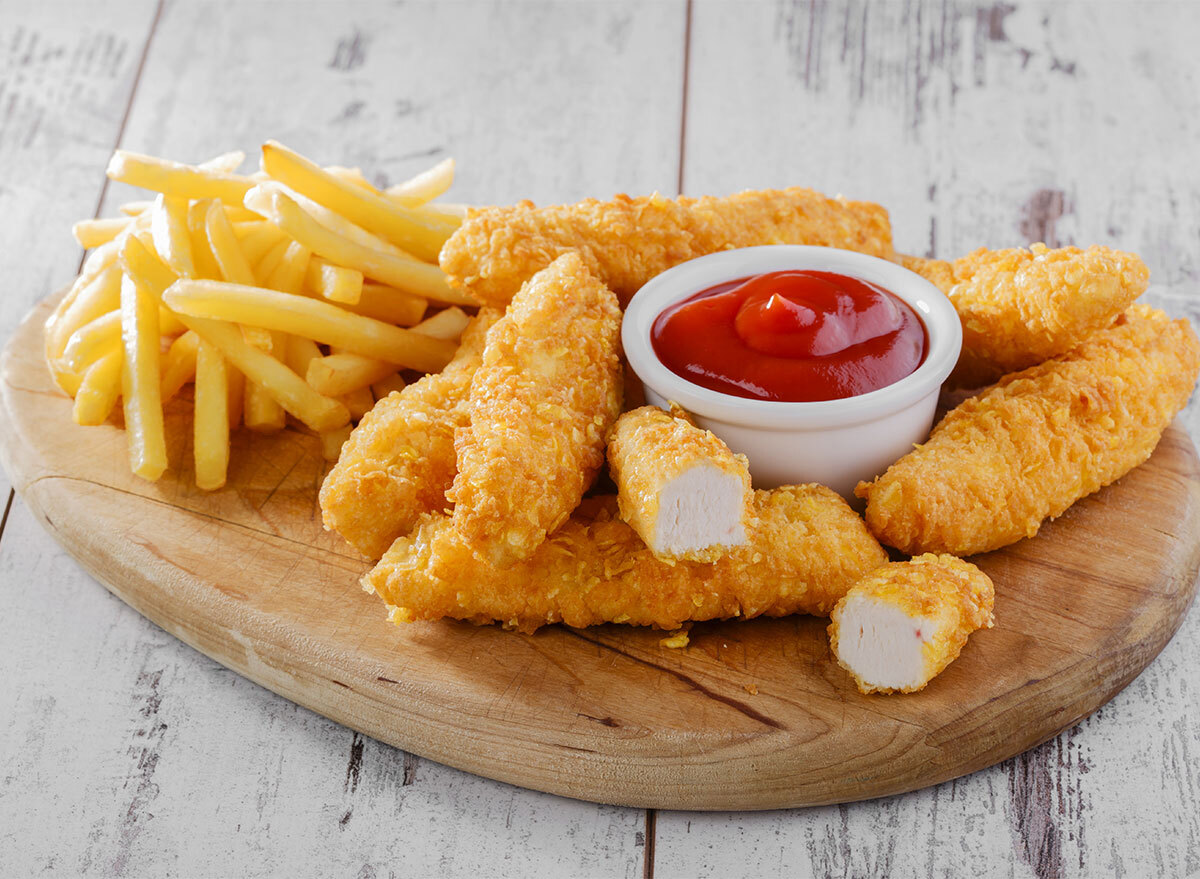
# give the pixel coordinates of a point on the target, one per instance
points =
(400, 459)
(542, 402)
(1023, 451)
(1021, 307)
(679, 487)
(902, 624)
(627, 241)
(806, 549)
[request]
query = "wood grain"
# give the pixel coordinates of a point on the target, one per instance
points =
(247, 576)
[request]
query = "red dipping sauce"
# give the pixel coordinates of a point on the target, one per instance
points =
(794, 336)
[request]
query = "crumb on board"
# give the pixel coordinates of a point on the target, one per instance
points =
(676, 640)
(752, 689)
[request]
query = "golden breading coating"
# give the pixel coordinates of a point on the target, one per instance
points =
(1023, 451)
(807, 548)
(679, 487)
(902, 624)
(542, 402)
(1021, 307)
(627, 241)
(400, 460)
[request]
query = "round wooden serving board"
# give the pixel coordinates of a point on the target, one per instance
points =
(752, 715)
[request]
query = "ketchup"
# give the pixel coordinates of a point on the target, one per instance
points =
(791, 336)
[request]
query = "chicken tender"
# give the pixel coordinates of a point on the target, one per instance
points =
(1023, 451)
(806, 550)
(902, 624)
(541, 405)
(679, 487)
(627, 241)
(400, 459)
(1021, 307)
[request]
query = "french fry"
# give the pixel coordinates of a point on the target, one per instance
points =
(93, 233)
(359, 402)
(259, 199)
(101, 385)
(258, 243)
(288, 276)
(425, 187)
(454, 213)
(311, 318)
(448, 218)
(168, 324)
(388, 305)
(93, 340)
(176, 179)
(339, 374)
(202, 255)
(133, 208)
(242, 228)
(211, 420)
(172, 241)
(393, 383)
(353, 175)
(300, 353)
(376, 214)
(412, 275)
(180, 365)
(333, 440)
(228, 254)
(227, 162)
(98, 298)
(262, 412)
(270, 261)
(140, 381)
(235, 387)
(335, 283)
(318, 413)
(448, 323)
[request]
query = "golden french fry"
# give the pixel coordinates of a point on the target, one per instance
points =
(259, 199)
(426, 186)
(260, 242)
(230, 259)
(284, 386)
(352, 175)
(448, 323)
(359, 402)
(227, 162)
(339, 374)
(300, 353)
(140, 381)
(93, 340)
(288, 276)
(235, 386)
(202, 255)
(437, 215)
(101, 385)
(376, 214)
(242, 228)
(262, 412)
(180, 366)
(311, 318)
(394, 382)
(172, 241)
(98, 298)
(211, 420)
(168, 324)
(93, 233)
(176, 179)
(271, 260)
(335, 283)
(388, 305)
(454, 213)
(133, 208)
(333, 440)
(407, 274)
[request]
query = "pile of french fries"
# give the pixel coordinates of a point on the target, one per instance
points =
(299, 291)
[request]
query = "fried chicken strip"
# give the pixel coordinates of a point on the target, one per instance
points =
(679, 487)
(806, 549)
(1023, 451)
(400, 459)
(1020, 307)
(541, 405)
(902, 624)
(627, 241)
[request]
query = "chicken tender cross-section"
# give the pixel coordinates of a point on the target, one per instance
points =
(1021, 307)
(902, 624)
(400, 459)
(806, 550)
(679, 487)
(627, 241)
(1023, 451)
(541, 405)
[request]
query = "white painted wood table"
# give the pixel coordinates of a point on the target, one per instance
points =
(126, 753)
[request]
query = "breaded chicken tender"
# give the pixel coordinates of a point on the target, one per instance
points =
(400, 459)
(1023, 451)
(678, 486)
(806, 549)
(542, 402)
(902, 624)
(627, 241)
(1021, 307)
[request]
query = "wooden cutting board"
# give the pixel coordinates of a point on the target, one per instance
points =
(752, 715)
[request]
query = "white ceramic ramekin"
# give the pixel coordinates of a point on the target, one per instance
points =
(835, 442)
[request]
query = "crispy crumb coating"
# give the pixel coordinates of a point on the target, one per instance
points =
(807, 548)
(956, 595)
(627, 241)
(1023, 451)
(647, 450)
(541, 405)
(400, 460)
(1020, 307)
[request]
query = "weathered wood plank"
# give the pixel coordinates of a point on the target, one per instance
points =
(977, 125)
